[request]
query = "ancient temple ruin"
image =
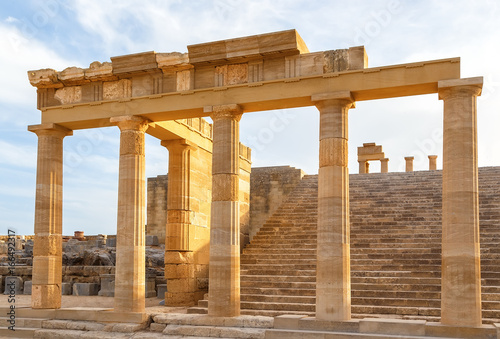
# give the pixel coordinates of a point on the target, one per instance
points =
(166, 95)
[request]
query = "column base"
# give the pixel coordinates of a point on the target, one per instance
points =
(46, 296)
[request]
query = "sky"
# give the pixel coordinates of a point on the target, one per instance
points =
(36, 34)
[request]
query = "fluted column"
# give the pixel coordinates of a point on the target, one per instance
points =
(384, 165)
(178, 195)
(130, 235)
(47, 251)
(224, 274)
(179, 265)
(461, 269)
(333, 279)
(432, 162)
(409, 164)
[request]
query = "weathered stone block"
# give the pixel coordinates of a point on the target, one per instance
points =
(13, 285)
(27, 287)
(66, 288)
(162, 289)
(107, 285)
(150, 287)
(85, 289)
(111, 242)
(152, 240)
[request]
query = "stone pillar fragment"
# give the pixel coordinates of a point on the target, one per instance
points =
(432, 162)
(409, 164)
(130, 237)
(47, 251)
(179, 266)
(224, 268)
(333, 279)
(461, 271)
(364, 167)
(384, 165)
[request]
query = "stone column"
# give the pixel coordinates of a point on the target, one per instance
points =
(178, 195)
(130, 237)
(384, 165)
(409, 164)
(333, 279)
(432, 162)
(224, 274)
(47, 251)
(179, 265)
(364, 167)
(461, 271)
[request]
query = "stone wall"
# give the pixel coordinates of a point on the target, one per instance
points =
(269, 187)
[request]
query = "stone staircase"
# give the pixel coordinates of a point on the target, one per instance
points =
(395, 249)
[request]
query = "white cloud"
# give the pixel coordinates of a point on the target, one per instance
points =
(20, 54)
(15, 155)
(10, 19)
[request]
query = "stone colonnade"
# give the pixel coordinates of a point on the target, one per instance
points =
(461, 285)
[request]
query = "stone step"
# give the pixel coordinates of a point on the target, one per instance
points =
(287, 299)
(318, 334)
(278, 306)
(396, 287)
(277, 256)
(22, 322)
(285, 284)
(279, 291)
(278, 278)
(279, 267)
(18, 333)
(256, 261)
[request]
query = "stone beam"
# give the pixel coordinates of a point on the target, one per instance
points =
(364, 84)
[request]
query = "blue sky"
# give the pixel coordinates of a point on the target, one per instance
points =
(57, 34)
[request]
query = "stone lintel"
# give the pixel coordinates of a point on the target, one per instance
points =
(358, 59)
(49, 127)
(133, 63)
(247, 48)
(371, 157)
(448, 84)
(174, 61)
(44, 78)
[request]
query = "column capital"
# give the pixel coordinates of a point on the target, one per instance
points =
(131, 123)
(432, 156)
(409, 158)
(342, 97)
(231, 111)
(50, 129)
(179, 143)
(460, 87)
